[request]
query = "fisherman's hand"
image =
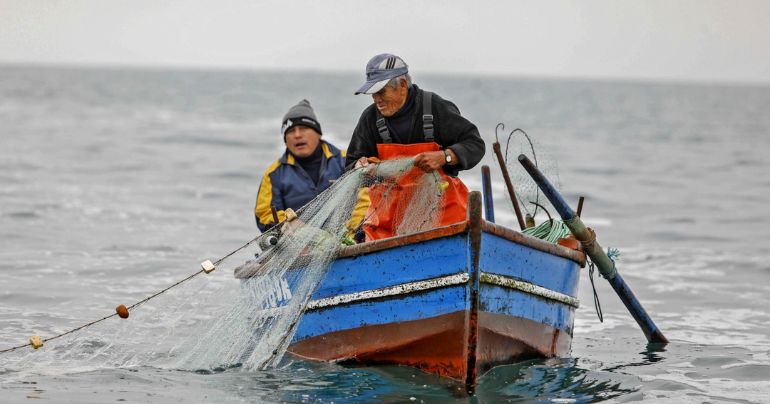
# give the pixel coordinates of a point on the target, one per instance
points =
(289, 227)
(430, 161)
(362, 162)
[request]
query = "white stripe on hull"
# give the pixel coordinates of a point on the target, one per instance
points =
(529, 288)
(444, 281)
(402, 289)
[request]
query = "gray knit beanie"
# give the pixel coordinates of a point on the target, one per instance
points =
(300, 114)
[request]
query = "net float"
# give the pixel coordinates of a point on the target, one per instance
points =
(122, 311)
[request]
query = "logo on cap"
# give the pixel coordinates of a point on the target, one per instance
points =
(286, 125)
(380, 70)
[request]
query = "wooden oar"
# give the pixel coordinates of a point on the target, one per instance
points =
(605, 265)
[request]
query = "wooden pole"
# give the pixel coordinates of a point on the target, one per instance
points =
(486, 186)
(508, 184)
(472, 332)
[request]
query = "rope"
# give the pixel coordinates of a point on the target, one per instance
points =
(145, 300)
(597, 303)
(588, 244)
(612, 254)
(550, 231)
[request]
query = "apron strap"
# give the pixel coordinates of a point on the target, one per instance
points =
(427, 121)
(382, 128)
(427, 116)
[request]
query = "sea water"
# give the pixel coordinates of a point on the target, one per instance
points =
(116, 183)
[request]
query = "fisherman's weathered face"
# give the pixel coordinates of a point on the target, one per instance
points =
(389, 100)
(302, 141)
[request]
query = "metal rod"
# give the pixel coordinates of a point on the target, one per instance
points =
(605, 265)
(486, 185)
(508, 184)
(580, 205)
(274, 211)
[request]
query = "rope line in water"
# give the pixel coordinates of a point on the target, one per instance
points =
(137, 304)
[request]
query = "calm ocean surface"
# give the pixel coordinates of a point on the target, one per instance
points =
(115, 184)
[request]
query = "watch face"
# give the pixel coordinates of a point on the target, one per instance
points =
(447, 156)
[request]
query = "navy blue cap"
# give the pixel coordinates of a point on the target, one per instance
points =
(381, 69)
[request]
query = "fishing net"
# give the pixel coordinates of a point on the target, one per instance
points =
(258, 328)
(531, 200)
(218, 322)
(418, 209)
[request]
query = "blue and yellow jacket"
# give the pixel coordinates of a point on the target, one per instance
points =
(286, 185)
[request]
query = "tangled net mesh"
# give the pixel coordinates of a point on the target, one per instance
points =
(527, 191)
(257, 330)
(218, 322)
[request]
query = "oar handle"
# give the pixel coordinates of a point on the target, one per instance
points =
(588, 238)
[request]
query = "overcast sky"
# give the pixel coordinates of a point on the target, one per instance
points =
(693, 40)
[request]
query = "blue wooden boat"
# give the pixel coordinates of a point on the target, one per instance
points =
(453, 301)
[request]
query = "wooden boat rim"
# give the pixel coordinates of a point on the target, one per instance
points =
(445, 231)
(458, 228)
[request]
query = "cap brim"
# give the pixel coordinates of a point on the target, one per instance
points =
(371, 88)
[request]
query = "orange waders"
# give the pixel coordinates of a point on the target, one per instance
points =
(388, 200)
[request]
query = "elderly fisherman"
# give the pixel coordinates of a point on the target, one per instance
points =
(307, 167)
(406, 121)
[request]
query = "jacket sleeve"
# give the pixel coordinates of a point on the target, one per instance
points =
(363, 143)
(460, 135)
(268, 195)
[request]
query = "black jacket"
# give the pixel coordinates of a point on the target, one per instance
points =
(451, 131)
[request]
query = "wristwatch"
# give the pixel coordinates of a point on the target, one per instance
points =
(447, 156)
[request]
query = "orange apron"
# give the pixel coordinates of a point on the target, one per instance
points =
(388, 201)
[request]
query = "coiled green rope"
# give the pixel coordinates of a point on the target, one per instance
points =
(550, 231)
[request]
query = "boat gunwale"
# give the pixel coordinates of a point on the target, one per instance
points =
(459, 228)
(445, 231)
(529, 241)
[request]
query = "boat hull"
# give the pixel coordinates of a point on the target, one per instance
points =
(454, 301)
(438, 345)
